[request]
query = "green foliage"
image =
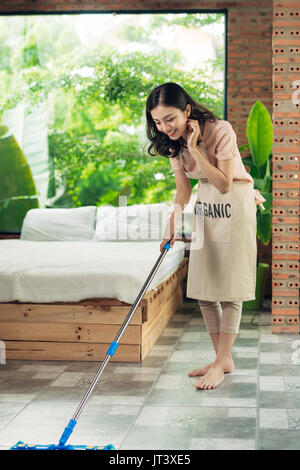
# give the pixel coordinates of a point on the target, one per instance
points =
(98, 172)
(97, 140)
(259, 130)
(17, 189)
(186, 20)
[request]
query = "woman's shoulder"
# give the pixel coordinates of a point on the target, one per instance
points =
(219, 128)
(220, 123)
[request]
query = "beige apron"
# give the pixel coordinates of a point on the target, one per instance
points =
(223, 253)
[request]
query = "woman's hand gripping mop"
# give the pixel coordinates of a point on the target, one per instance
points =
(62, 445)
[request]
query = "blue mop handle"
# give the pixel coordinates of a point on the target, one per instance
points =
(67, 432)
(112, 348)
(167, 245)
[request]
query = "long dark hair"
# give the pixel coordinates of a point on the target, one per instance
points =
(171, 94)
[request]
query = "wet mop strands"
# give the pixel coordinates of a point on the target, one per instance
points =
(21, 446)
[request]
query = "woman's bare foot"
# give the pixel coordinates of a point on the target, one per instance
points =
(215, 374)
(201, 371)
(229, 367)
(212, 378)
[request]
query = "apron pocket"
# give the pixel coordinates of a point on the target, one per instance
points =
(216, 210)
(197, 241)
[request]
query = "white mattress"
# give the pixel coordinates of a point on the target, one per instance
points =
(64, 271)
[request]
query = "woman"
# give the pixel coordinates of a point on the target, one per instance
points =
(222, 262)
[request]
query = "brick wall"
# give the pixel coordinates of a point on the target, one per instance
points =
(286, 153)
(263, 49)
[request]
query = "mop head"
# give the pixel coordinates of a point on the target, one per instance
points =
(21, 446)
(62, 443)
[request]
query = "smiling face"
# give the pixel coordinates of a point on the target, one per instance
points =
(171, 121)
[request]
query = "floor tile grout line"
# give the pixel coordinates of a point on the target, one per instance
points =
(23, 409)
(30, 402)
(14, 417)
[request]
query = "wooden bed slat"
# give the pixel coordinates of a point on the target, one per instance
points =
(67, 313)
(71, 333)
(55, 351)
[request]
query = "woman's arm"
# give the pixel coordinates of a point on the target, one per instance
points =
(182, 197)
(220, 177)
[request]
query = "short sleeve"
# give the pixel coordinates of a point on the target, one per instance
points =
(175, 163)
(226, 141)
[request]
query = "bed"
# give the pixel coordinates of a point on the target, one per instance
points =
(67, 284)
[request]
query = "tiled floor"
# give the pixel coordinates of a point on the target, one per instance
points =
(155, 405)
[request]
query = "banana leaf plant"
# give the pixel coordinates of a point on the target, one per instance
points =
(259, 131)
(18, 192)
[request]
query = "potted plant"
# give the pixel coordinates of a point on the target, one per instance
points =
(259, 131)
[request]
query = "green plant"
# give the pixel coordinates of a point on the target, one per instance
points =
(17, 190)
(259, 131)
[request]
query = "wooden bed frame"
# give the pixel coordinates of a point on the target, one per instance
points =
(83, 331)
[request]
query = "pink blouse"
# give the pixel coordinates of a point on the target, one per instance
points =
(220, 142)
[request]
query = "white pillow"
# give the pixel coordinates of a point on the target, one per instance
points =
(140, 222)
(59, 224)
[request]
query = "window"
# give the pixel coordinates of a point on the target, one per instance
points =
(73, 90)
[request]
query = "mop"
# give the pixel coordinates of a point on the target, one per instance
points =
(62, 444)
